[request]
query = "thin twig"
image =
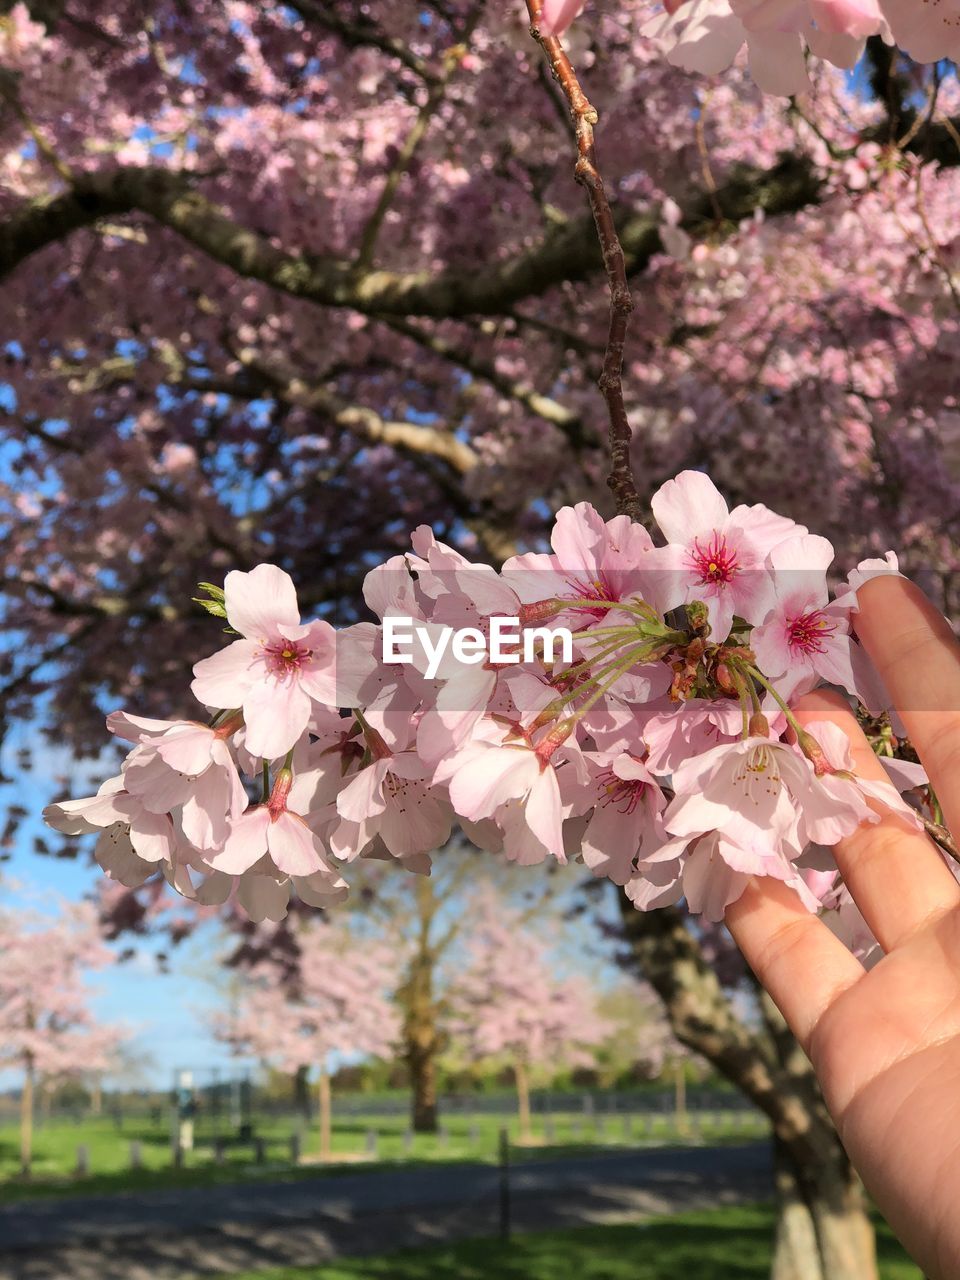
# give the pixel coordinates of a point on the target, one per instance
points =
(585, 116)
(941, 837)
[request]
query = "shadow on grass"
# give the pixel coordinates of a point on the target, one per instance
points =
(715, 1245)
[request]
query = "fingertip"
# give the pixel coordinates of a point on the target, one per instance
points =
(875, 592)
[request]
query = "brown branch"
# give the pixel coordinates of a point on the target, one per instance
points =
(452, 59)
(565, 255)
(941, 837)
(544, 407)
(621, 480)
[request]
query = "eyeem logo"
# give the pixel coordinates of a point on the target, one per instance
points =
(506, 643)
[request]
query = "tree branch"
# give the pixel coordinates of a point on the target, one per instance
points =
(552, 411)
(620, 480)
(359, 35)
(566, 254)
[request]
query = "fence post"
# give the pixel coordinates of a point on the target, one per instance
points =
(504, 1186)
(295, 1148)
(372, 1143)
(407, 1142)
(136, 1155)
(83, 1160)
(218, 1151)
(259, 1150)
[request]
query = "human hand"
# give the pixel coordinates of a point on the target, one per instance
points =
(885, 1044)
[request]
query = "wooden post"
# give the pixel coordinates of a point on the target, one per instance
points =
(136, 1155)
(372, 1143)
(295, 1148)
(26, 1121)
(504, 1186)
(680, 1098)
(523, 1098)
(323, 1095)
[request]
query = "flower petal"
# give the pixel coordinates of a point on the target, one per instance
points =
(258, 601)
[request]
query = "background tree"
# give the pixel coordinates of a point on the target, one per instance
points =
(47, 1027)
(509, 1004)
(335, 1004)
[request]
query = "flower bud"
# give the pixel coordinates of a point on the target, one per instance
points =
(812, 749)
(555, 738)
(282, 783)
(539, 611)
(759, 726)
(698, 616)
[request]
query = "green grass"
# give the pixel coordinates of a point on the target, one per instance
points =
(468, 1138)
(718, 1245)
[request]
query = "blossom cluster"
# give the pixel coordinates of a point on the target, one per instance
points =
(707, 35)
(662, 751)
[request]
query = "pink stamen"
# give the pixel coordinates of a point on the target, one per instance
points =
(808, 631)
(597, 588)
(284, 656)
(624, 793)
(714, 562)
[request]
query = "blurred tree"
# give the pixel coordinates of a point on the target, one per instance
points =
(507, 1001)
(47, 1028)
(336, 1004)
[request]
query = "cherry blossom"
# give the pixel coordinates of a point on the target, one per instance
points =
(661, 750)
(277, 669)
(716, 555)
(804, 638)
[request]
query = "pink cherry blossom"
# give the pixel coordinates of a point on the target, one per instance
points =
(279, 667)
(625, 823)
(715, 555)
(805, 638)
(186, 764)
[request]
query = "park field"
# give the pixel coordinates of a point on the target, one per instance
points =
(715, 1245)
(95, 1155)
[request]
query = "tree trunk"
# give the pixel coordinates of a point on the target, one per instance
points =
(26, 1120)
(323, 1095)
(418, 998)
(301, 1091)
(823, 1231)
(523, 1098)
(423, 1078)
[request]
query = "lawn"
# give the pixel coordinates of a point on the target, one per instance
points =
(717, 1245)
(361, 1142)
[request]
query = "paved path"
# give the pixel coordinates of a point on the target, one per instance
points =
(205, 1231)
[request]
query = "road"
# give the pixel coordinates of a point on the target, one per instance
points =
(172, 1234)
